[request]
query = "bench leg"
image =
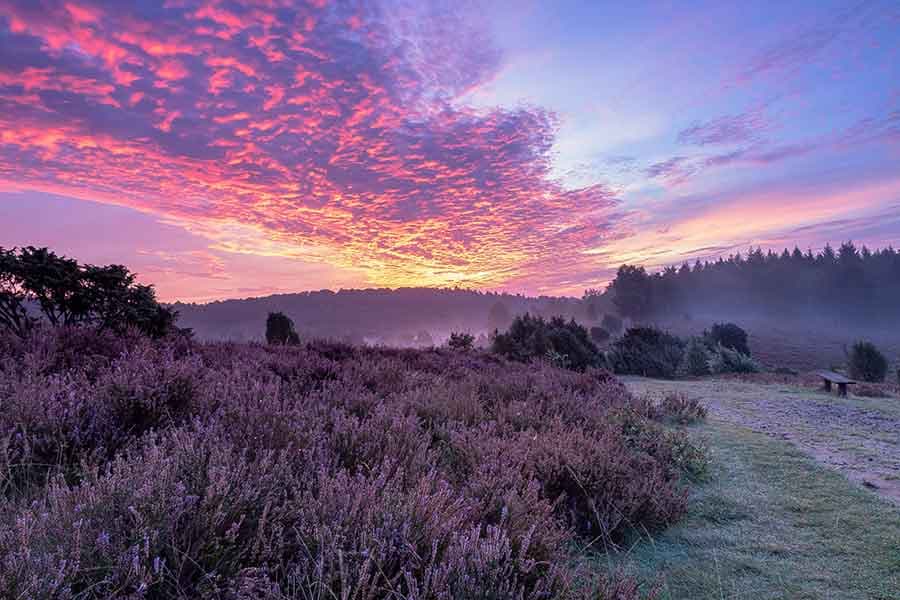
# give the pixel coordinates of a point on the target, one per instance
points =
(827, 386)
(842, 389)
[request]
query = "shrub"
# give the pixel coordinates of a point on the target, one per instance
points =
(599, 335)
(729, 336)
(611, 323)
(280, 329)
(867, 363)
(696, 359)
(529, 338)
(725, 360)
(647, 351)
(461, 341)
(682, 409)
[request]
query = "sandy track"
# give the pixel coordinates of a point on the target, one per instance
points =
(860, 437)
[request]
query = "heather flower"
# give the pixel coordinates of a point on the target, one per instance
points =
(172, 469)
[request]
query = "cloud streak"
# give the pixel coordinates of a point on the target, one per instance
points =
(331, 130)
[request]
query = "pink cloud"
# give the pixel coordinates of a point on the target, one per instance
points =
(328, 131)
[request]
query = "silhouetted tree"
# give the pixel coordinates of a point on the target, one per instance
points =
(13, 295)
(632, 292)
(64, 293)
(280, 329)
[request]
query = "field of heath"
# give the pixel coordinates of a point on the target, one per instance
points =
(132, 468)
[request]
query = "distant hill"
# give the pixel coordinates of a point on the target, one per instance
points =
(405, 316)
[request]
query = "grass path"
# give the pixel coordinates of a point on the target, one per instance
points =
(769, 523)
(860, 437)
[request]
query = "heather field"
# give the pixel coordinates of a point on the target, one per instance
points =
(132, 468)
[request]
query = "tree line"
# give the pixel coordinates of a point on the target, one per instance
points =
(857, 285)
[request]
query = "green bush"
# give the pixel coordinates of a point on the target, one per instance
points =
(867, 363)
(696, 359)
(647, 351)
(728, 335)
(726, 360)
(560, 341)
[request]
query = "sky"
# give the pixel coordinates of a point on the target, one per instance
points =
(235, 148)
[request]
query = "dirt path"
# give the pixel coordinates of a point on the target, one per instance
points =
(860, 437)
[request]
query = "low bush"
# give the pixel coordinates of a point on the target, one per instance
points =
(695, 362)
(565, 343)
(867, 363)
(682, 409)
(172, 469)
(647, 351)
(461, 341)
(728, 335)
(725, 360)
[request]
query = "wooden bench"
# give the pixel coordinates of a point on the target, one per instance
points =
(830, 377)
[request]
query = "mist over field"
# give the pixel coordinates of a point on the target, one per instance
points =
(802, 310)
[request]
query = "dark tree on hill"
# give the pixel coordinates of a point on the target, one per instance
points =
(632, 292)
(530, 338)
(13, 296)
(855, 285)
(64, 293)
(280, 329)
